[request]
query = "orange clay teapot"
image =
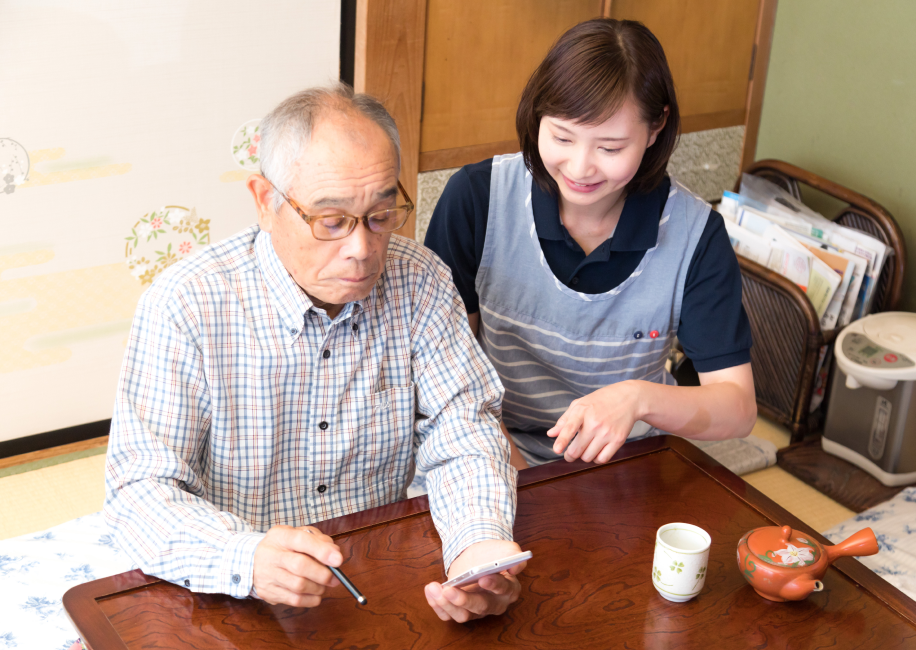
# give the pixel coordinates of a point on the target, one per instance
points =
(782, 564)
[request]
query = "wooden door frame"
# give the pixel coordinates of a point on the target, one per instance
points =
(388, 64)
(763, 42)
(389, 60)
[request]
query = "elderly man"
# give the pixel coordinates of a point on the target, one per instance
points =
(272, 381)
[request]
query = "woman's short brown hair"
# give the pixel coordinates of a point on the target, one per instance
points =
(586, 77)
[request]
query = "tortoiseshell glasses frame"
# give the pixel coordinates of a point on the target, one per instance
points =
(331, 227)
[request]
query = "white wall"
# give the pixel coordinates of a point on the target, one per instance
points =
(124, 107)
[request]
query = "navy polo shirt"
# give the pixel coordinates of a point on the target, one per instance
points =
(714, 330)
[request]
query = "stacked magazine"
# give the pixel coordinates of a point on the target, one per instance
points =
(837, 267)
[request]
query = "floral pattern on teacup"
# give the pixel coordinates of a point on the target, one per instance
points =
(671, 573)
(162, 237)
(246, 146)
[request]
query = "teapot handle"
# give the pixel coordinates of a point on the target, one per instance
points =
(861, 543)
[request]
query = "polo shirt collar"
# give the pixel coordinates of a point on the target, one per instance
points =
(634, 231)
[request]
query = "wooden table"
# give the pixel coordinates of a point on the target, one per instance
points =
(592, 532)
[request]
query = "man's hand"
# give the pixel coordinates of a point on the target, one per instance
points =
(291, 566)
(602, 420)
(491, 595)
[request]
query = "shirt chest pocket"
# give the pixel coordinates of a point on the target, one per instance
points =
(381, 427)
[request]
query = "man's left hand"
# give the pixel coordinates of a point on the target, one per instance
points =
(491, 595)
(595, 426)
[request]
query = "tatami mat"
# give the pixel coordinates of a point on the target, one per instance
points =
(776, 434)
(818, 511)
(47, 496)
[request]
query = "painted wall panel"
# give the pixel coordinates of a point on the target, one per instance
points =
(127, 113)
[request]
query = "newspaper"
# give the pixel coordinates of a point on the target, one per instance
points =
(793, 215)
(858, 273)
(846, 270)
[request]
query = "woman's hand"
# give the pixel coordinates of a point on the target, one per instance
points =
(722, 406)
(602, 420)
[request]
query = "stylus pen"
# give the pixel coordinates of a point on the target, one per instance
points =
(345, 581)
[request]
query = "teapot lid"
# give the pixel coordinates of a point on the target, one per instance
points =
(783, 547)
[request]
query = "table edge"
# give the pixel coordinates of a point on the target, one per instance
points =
(861, 575)
(82, 599)
(81, 602)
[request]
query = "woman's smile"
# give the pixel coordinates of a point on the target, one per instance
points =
(581, 187)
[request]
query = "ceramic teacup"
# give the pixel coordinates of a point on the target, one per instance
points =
(681, 558)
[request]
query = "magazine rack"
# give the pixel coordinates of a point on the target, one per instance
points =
(786, 330)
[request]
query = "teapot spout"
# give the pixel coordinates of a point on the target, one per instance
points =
(801, 588)
(862, 543)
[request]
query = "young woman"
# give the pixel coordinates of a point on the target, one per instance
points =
(579, 261)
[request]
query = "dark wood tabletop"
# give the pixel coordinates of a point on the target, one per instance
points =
(592, 531)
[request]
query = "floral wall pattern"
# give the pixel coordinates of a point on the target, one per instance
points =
(126, 135)
(175, 230)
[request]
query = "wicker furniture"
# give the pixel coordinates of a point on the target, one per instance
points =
(786, 330)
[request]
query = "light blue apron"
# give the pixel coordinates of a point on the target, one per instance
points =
(551, 344)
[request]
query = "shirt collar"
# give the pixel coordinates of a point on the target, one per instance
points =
(288, 298)
(634, 232)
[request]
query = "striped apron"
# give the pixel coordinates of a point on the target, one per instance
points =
(551, 344)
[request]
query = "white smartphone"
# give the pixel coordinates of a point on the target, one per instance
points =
(497, 566)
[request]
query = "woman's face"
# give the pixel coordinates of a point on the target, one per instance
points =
(591, 164)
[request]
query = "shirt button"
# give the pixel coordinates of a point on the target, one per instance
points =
(187, 583)
(322, 425)
(355, 327)
(574, 281)
(322, 488)
(236, 578)
(294, 331)
(653, 334)
(637, 335)
(326, 354)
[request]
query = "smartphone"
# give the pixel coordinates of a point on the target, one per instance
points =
(497, 566)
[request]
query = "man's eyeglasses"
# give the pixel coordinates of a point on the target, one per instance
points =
(328, 227)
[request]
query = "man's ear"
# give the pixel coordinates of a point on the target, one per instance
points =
(263, 193)
(658, 127)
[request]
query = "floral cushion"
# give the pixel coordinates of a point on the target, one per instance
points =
(36, 570)
(894, 524)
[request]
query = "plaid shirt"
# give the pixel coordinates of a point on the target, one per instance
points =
(242, 406)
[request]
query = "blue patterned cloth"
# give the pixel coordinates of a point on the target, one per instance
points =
(894, 524)
(35, 572)
(242, 406)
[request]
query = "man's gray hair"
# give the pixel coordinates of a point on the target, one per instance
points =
(287, 130)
